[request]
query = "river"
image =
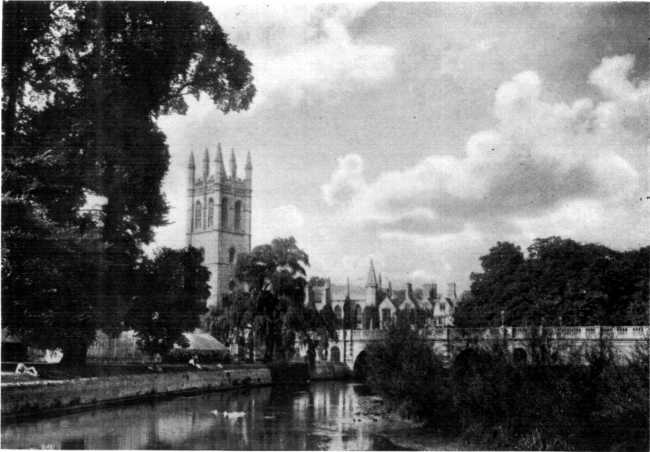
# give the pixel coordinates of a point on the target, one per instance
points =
(321, 416)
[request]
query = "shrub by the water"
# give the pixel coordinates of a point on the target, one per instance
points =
(411, 377)
(584, 401)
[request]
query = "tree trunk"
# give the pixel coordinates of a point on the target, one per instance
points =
(311, 354)
(74, 354)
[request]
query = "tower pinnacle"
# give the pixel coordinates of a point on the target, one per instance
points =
(221, 170)
(233, 164)
(372, 278)
(206, 165)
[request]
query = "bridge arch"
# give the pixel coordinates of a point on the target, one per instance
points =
(361, 365)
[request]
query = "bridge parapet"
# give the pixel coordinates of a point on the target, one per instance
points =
(367, 335)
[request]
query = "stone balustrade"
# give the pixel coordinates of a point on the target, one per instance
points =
(510, 332)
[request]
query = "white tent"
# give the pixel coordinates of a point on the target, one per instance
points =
(199, 340)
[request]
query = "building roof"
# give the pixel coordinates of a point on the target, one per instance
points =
(372, 277)
(202, 341)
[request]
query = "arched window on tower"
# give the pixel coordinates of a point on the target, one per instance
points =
(224, 213)
(238, 216)
(197, 215)
(231, 254)
(210, 212)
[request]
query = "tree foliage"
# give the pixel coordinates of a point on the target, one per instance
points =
(83, 84)
(560, 281)
(172, 290)
(273, 302)
(493, 401)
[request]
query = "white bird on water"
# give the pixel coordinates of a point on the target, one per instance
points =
(230, 414)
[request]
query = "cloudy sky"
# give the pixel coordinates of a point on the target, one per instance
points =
(421, 134)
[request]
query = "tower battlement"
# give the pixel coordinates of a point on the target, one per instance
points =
(219, 217)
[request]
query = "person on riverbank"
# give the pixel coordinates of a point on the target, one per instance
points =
(22, 369)
(194, 362)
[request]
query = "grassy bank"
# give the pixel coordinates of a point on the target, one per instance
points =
(486, 398)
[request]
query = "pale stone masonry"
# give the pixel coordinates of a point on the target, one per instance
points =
(219, 217)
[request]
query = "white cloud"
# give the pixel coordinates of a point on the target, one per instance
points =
(281, 221)
(299, 49)
(539, 158)
(346, 181)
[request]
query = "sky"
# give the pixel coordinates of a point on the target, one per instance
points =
(421, 134)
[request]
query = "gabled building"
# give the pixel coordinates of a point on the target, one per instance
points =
(374, 308)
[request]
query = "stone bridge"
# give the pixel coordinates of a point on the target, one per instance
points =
(450, 342)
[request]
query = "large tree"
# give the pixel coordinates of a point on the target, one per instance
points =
(560, 281)
(271, 300)
(83, 84)
(172, 291)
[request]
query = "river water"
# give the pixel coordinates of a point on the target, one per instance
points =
(321, 416)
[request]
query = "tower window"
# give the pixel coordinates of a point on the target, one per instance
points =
(231, 254)
(224, 213)
(210, 212)
(238, 216)
(197, 215)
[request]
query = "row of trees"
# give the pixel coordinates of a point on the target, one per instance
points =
(560, 281)
(83, 84)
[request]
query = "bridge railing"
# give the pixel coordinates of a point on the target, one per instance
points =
(518, 333)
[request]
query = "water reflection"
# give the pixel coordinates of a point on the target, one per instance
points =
(320, 416)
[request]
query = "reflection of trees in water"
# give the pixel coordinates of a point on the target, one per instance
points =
(310, 417)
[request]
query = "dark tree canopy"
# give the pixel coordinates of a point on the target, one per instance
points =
(86, 93)
(83, 84)
(560, 281)
(172, 291)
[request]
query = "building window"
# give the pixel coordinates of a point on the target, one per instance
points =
(197, 215)
(231, 254)
(358, 316)
(385, 315)
(338, 313)
(210, 212)
(238, 216)
(224, 213)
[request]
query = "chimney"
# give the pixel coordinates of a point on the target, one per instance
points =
(451, 290)
(409, 290)
(434, 291)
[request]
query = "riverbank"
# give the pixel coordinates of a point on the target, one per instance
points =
(405, 433)
(71, 389)
(41, 397)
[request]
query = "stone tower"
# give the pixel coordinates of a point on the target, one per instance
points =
(219, 218)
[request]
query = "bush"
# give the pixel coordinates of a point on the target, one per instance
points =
(486, 397)
(409, 375)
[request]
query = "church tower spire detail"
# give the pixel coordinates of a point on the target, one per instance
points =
(249, 167)
(233, 165)
(206, 165)
(220, 169)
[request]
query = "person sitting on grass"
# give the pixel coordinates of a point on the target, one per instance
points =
(22, 369)
(194, 362)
